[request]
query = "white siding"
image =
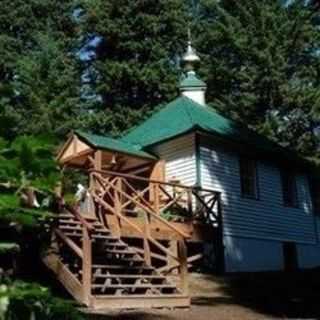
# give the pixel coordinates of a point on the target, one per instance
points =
(179, 155)
(265, 218)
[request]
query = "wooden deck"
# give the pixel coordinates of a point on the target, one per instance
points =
(198, 232)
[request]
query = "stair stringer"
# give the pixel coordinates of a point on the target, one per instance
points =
(66, 278)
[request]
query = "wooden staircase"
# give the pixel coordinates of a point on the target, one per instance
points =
(101, 271)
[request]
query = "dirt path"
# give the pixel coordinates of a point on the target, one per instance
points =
(245, 297)
(229, 312)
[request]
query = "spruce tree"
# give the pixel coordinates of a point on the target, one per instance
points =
(39, 72)
(262, 66)
(134, 65)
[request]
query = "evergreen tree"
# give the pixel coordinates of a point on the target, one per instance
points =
(262, 66)
(27, 168)
(39, 72)
(134, 65)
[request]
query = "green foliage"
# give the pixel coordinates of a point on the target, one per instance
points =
(6, 247)
(32, 301)
(175, 213)
(28, 161)
(11, 211)
(135, 62)
(262, 65)
(40, 77)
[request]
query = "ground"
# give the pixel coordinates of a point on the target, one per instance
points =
(249, 297)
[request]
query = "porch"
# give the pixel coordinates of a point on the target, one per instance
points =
(132, 239)
(134, 200)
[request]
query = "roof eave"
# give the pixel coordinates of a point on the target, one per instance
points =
(132, 154)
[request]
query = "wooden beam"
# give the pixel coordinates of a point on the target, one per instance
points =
(64, 147)
(65, 276)
(69, 243)
(138, 169)
(86, 267)
(183, 259)
(78, 155)
(98, 160)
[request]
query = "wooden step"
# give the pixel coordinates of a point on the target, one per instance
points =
(124, 251)
(71, 216)
(94, 236)
(119, 258)
(116, 267)
(130, 276)
(77, 222)
(134, 286)
(122, 262)
(101, 303)
(75, 228)
(120, 246)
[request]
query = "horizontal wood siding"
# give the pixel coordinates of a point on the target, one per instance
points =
(244, 254)
(265, 218)
(179, 155)
(309, 255)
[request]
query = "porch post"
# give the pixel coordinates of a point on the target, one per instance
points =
(158, 174)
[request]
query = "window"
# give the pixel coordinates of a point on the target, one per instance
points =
(289, 189)
(315, 194)
(248, 177)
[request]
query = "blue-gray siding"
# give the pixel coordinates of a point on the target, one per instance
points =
(265, 218)
(247, 254)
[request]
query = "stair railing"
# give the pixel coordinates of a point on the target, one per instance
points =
(119, 193)
(84, 253)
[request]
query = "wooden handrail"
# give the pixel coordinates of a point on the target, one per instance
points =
(85, 253)
(74, 247)
(137, 178)
(155, 242)
(75, 213)
(149, 209)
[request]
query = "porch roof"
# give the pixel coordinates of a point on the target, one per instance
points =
(108, 143)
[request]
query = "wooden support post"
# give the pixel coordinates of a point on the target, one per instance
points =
(86, 266)
(156, 195)
(98, 160)
(117, 204)
(97, 165)
(220, 244)
(173, 248)
(189, 195)
(146, 244)
(158, 173)
(183, 260)
(75, 144)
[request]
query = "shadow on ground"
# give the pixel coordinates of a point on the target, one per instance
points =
(289, 295)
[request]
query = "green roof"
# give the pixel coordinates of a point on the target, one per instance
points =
(108, 143)
(183, 115)
(191, 81)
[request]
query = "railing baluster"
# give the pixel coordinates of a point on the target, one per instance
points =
(86, 265)
(183, 268)
(118, 209)
(147, 235)
(156, 198)
(189, 199)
